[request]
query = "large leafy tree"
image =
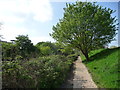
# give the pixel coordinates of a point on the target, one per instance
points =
(85, 26)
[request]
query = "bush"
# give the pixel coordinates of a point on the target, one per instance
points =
(15, 76)
(43, 72)
(72, 57)
(18, 57)
(55, 71)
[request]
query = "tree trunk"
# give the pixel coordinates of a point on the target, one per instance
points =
(86, 56)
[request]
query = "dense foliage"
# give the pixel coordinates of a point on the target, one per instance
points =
(85, 26)
(44, 72)
(46, 48)
(20, 48)
(25, 47)
(44, 65)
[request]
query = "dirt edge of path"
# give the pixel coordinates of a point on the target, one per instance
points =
(79, 77)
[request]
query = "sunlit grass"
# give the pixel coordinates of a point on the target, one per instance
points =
(104, 67)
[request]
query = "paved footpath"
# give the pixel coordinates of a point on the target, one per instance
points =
(79, 77)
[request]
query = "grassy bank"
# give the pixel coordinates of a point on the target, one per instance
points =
(104, 67)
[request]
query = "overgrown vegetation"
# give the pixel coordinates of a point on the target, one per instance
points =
(104, 67)
(44, 65)
(43, 72)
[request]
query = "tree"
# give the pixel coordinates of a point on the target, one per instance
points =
(24, 46)
(46, 48)
(64, 50)
(85, 26)
(45, 51)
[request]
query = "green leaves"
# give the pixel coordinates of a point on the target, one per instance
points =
(46, 48)
(84, 24)
(43, 72)
(25, 47)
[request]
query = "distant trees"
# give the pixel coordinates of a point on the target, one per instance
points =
(113, 46)
(46, 48)
(24, 46)
(85, 26)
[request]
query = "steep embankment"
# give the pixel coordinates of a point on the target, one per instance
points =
(104, 67)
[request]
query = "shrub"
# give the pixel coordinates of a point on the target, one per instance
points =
(43, 72)
(15, 76)
(55, 71)
(72, 57)
(18, 57)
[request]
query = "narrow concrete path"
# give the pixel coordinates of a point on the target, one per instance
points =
(79, 77)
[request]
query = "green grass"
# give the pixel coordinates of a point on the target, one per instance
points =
(104, 67)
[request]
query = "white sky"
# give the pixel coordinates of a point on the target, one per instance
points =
(15, 12)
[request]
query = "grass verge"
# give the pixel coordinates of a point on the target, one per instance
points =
(104, 67)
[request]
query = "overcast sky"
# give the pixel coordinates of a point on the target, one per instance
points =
(34, 18)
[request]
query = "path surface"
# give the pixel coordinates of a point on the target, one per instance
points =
(79, 77)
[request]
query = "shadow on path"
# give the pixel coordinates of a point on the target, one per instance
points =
(79, 77)
(69, 80)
